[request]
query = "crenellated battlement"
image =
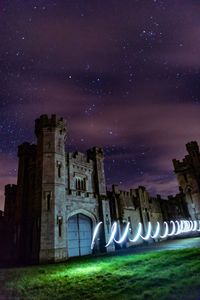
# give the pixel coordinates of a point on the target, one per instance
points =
(10, 188)
(49, 122)
(95, 152)
(192, 147)
(27, 149)
(80, 157)
(180, 165)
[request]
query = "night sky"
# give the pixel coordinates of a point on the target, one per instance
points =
(125, 75)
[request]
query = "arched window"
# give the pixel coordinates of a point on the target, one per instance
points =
(80, 184)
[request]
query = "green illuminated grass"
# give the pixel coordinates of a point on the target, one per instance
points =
(155, 275)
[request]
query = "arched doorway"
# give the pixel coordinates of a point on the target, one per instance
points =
(79, 233)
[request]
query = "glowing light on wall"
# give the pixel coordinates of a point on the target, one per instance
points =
(95, 234)
(124, 235)
(168, 230)
(199, 227)
(148, 235)
(178, 228)
(173, 229)
(156, 234)
(138, 234)
(113, 233)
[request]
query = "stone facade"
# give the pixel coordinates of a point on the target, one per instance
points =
(52, 187)
(188, 176)
(60, 197)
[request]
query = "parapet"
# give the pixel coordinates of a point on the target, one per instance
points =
(79, 157)
(180, 165)
(193, 150)
(115, 189)
(192, 147)
(95, 152)
(54, 121)
(10, 189)
(27, 149)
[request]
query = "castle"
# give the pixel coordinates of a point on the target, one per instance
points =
(51, 213)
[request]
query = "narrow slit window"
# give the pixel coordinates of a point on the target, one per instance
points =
(59, 221)
(59, 169)
(48, 201)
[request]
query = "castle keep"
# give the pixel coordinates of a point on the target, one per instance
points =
(51, 213)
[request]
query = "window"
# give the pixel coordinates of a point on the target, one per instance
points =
(47, 198)
(59, 165)
(80, 184)
(48, 202)
(59, 222)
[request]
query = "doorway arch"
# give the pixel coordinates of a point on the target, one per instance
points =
(79, 235)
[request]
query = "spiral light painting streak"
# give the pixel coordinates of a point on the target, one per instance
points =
(177, 228)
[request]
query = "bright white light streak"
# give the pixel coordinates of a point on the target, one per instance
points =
(195, 226)
(166, 231)
(124, 235)
(178, 228)
(113, 232)
(199, 226)
(95, 234)
(187, 224)
(191, 225)
(173, 229)
(137, 234)
(183, 226)
(148, 234)
(156, 234)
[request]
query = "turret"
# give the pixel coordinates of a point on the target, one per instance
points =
(192, 148)
(51, 134)
(97, 155)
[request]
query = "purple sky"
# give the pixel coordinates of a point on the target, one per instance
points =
(125, 75)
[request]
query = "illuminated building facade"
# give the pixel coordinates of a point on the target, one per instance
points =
(59, 198)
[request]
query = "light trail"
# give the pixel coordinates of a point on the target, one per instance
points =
(137, 236)
(124, 235)
(157, 232)
(173, 229)
(148, 235)
(95, 234)
(166, 231)
(178, 227)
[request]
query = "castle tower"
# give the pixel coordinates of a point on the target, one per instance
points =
(188, 176)
(97, 156)
(193, 149)
(51, 133)
(24, 215)
(10, 200)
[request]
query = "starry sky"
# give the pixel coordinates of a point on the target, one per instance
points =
(125, 75)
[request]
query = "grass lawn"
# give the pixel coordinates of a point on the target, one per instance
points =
(155, 275)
